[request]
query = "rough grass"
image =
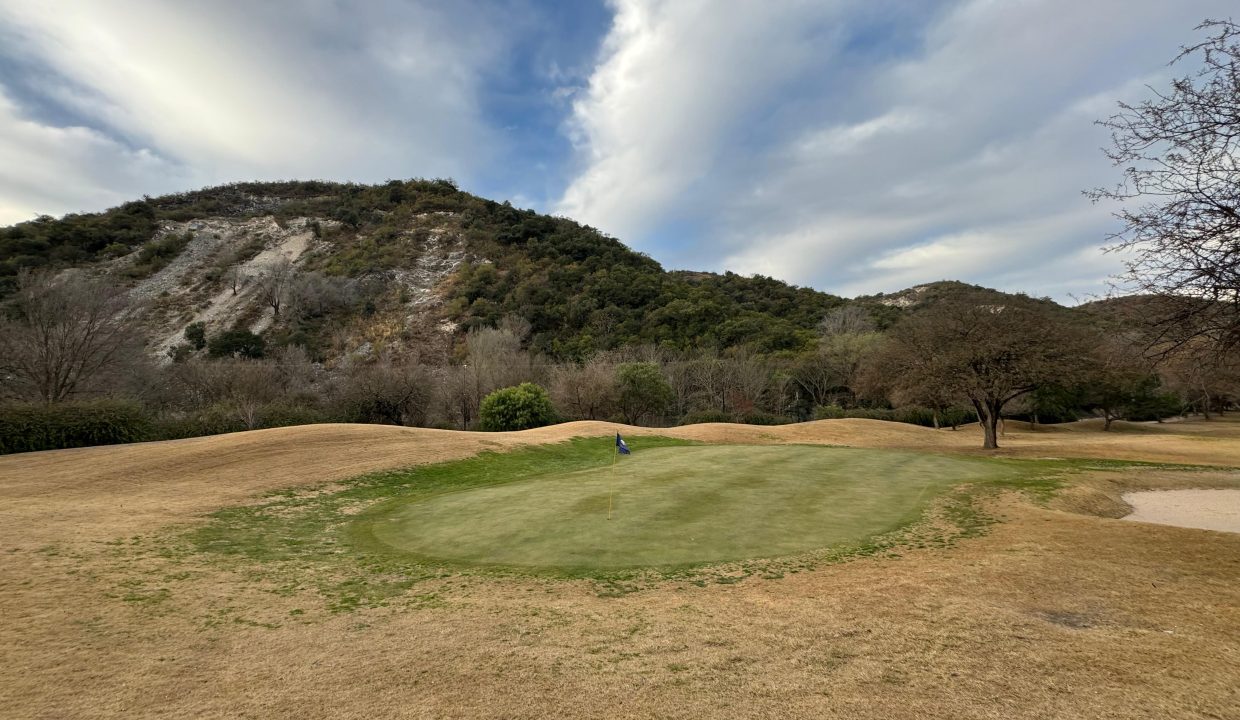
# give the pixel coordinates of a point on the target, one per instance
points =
(1020, 604)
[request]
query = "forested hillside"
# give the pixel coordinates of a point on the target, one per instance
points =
(261, 304)
(580, 290)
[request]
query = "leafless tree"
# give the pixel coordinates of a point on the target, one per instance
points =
(1180, 154)
(680, 378)
(747, 379)
(314, 294)
(586, 391)
(1204, 380)
(274, 282)
(847, 320)
(62, 335)
(460, 394)
(387, 392)
(497, 359)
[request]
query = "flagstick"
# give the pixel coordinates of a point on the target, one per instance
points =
(611, 478)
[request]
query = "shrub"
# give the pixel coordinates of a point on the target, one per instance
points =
(707, 416)
(829, 412)
(26, 427)
(915, 415)
(239, 343)
(156, 254)
(911, 414)
(196, 334)
(516, 408)
(758, 417)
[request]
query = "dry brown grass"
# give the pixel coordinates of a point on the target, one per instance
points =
(1056, 612)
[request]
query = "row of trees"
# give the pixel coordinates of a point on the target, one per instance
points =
(969, 353)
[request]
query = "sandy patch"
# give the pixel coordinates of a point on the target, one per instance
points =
(1204, 509)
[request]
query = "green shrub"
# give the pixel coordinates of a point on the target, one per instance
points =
(196, 334)
(829, 412)
(910, 414)
(156, 254)
(516, 408)
(707, 416)
(213, 420)
(239, 343)
(757, 417)
(914, 415)
(25, 427)
(958, 416)
(286, 414)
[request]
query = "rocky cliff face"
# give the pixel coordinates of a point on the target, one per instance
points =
(264, 274)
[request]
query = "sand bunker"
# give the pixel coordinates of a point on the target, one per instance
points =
(1205, 509)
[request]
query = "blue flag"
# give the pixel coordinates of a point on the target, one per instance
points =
(620, 446)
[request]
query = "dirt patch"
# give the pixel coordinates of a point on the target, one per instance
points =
(1203, 509)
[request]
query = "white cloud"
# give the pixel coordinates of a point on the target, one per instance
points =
(59, 169)
(675, 81)
(960, 154)
(256, 91)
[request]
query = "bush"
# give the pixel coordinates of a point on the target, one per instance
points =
(196, 334)
(758, 417)
(516, 408)
(829, 412)
(286, 414)
(213, 420)
(915, 415)
(26, 427)
(707, 416)
(911, 414)
(237, 343)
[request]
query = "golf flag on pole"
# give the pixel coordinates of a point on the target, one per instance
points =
(620, 446)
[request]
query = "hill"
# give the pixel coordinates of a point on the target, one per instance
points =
(343, 268)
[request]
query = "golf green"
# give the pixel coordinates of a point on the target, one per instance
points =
(676, 506)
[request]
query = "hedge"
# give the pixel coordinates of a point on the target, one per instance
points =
(912, 415)
(26, 427)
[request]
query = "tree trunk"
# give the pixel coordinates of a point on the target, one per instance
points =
(935, 413)
(988, 416)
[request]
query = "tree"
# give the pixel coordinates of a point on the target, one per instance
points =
(516, 408)
(1118, 379)
(641, 391)
(496, 356)
(459, 393)
(273, 284)
(1203, 379)
(586, 391)
(63, 333)
(847, 320)
(981, 352)
(1180, 154)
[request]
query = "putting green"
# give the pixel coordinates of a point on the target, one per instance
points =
(676, 506)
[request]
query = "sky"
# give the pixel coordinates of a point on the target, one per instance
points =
(855, 146)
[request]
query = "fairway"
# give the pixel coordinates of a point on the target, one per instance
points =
(676, 506)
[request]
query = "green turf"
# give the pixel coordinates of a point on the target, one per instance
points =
(672, 506)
